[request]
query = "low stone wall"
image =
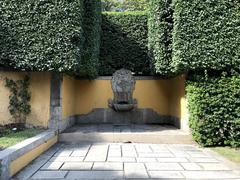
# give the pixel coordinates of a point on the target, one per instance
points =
(16, 157)
(136, 116)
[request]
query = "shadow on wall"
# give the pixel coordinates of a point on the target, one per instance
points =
(178, 102)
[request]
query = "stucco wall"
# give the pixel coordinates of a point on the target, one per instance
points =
(92, 94)
(153, 94)
(40, 98)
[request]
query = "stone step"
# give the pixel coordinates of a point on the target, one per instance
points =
(162, 138)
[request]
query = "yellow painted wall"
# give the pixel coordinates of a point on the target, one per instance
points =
(40, 98)
(177, 96)
(152, 94)
(24, 160)
(167, 97)
(92, 94)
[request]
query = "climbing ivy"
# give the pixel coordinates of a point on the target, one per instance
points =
(19, 99)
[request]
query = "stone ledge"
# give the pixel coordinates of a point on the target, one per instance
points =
(12, 153)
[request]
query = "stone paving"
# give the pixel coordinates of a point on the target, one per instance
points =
(127, 161)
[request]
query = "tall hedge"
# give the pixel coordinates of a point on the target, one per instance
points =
(214, 107)
(91, 36)
(160, 27)
(41, 35)
(124, 43)
(47, 35)
(206, 35)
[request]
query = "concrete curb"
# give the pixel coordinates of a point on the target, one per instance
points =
(16, 151)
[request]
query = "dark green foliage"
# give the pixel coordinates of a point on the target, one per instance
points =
(214, 106)
(160, 27)
(91, 35)
(206, 35)
(41, 35)
(126, 5)
(124, 43)
(48, 35)
(19, 99)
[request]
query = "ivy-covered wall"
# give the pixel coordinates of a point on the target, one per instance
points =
(160, 25)
(214, 106)
(206, 35)
(124, 43)
(49, 35)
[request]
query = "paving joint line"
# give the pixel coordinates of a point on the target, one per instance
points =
(87, 152)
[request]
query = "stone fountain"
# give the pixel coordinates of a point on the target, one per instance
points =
(123, 85)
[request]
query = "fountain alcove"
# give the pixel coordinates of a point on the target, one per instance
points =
(123, 107)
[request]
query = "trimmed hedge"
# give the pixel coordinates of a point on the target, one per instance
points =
(41, 35)
(160, 27)
(206, 35)
(214, 106)
(124, 43)
(91, 35)
(47, 35)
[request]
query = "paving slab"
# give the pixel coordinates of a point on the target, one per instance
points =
(142, 148)
(121, 159)
(107, 166)
(129, 151)
(77, 166)
(97, 153)
(174, 159)
(146, 160)
(114, 151)
(164, 166)
(156, 155)
(67, 159)
(52, 166)
(159, 148)
(63, 153)
(49, 175)
(135, 170)
(197, 154)
(79, 175)
(80, 152)
(191, 166)
(166, 174)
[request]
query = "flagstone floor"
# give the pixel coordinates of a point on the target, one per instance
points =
(128, 161)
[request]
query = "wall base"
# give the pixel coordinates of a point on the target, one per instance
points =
(136, 116)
